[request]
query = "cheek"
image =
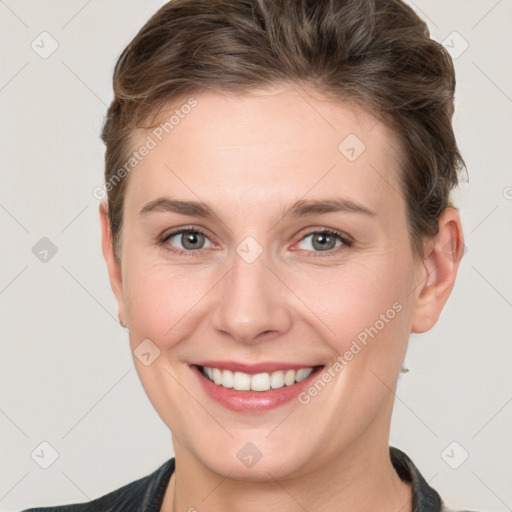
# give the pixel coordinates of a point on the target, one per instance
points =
(161, 300)
(165, 302)
(368, 311)
(348, 300)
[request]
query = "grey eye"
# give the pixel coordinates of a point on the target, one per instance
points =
(188, 238)
(321, 241)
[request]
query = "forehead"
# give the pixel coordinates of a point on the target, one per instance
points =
(263, 146)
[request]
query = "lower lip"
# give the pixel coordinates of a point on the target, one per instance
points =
(253, 401)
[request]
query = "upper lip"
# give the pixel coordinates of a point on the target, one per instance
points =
(269, 367)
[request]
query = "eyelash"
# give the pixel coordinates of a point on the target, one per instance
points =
(347, 241)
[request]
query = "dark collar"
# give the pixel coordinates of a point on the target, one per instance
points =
(425, 499)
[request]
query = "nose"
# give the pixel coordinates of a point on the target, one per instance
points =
(253, 303)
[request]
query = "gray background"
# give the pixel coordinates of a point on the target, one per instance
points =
(67, 375)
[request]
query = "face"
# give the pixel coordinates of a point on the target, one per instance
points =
(268, 279)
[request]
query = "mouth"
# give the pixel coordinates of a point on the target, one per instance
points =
(254, 380)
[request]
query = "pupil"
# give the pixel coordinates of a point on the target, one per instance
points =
(323, 239)
(192, 239)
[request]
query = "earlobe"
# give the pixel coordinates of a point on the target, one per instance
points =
(113, 265)
(438, 271)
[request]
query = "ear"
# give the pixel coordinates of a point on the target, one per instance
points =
(438, 271)
(113, 265)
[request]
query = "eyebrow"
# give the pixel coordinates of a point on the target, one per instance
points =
(301, 208)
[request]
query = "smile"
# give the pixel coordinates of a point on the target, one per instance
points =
(264, 381)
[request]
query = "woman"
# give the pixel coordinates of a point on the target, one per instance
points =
(278, 223)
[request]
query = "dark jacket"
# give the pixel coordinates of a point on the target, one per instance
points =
(147, 493)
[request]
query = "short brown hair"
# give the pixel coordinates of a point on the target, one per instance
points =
(375, 53)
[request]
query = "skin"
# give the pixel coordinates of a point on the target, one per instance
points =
(248, 157)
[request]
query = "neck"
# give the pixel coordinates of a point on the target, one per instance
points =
(360, 478)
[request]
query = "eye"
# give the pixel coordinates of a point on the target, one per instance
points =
(191, 240)
(325, 240)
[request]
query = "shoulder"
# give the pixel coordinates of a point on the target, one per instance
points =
(146, 494)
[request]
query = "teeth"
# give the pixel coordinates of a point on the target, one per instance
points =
(217, 376)
(241, 381)
(257, 382)
(228, 379)
(277, 380)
